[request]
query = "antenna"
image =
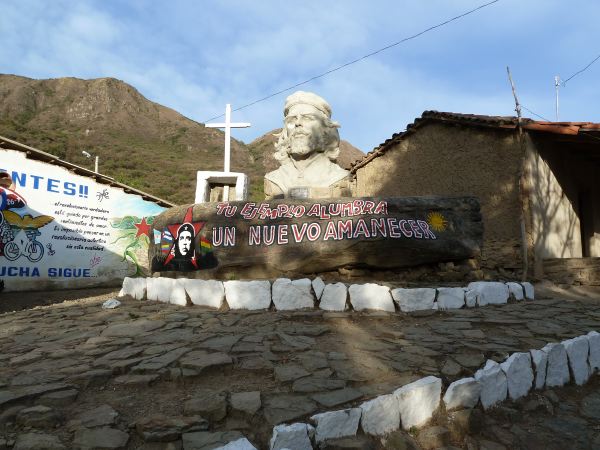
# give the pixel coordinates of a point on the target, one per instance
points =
(556, 86)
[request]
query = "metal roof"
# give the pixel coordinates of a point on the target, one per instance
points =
(34, 153)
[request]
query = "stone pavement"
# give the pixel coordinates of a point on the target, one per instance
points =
(74, 375)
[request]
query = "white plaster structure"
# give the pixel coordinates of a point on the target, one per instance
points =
(418, 401)
(557, 370)
(418, 299)
(371, 296)
(248, 294)
(380, 415)
(227, 125)
(205, 179)
(493, 383)
(295, 436)
(135, 287)
(289, 295)
(239, 444)
(450, 298)
(159, 289)
(519, 374)
(178, 296)
(539, 359)
(594, 357)
(577, 352)
(336, 424)
(470, 298)
(463, 393)
(489, 292)
(318, 286)
(529, 290)
(334, 297)
(516, 290)
(205, 292)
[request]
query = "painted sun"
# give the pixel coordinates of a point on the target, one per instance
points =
(437, 221)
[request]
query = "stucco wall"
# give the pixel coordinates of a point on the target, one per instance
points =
(440, 159)
(63, 230)
(558, 208)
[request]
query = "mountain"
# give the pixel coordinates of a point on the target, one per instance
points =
(140, 143)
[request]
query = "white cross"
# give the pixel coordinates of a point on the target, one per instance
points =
(228, 126)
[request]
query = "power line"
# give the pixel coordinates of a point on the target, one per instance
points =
(535, 114)
(387, 47)
(582, 70)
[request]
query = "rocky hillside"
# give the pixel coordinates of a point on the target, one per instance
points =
(139, 142)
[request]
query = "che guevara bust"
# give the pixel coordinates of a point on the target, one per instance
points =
(307, 149)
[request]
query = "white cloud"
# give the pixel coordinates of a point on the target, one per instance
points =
(197, 56)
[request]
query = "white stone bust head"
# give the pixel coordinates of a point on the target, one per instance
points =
(307, 149)
(307, 129)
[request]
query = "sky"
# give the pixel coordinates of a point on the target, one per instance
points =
(196, 56)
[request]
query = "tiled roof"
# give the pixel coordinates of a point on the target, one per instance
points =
(34, 153)
(506, 122)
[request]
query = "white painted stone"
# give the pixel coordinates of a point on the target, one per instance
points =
(578, 350)
(435, 306)
(178, 296)
(529, 290)
(493, 384)
(295, 436)
(463, 393)
(450, 298)
(418, 401)
(380, 415)
(205, 292)
(594, 357)
(519, 374)
(289, 295)
(336, 424)
(414, 299)
(135, 287)
(490, 292)
(248, 294)
(240, 444)
(334, 297)
(159, 289)
(318, 285)
(540, 362)
(371, 296)
(557, 370)
(470, 298)
(516, 290)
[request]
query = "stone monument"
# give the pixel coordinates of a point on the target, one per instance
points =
(307, 149)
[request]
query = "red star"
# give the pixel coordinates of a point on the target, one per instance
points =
(142, 228)
(173, 229)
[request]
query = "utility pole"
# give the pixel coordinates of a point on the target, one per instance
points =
(522, 181)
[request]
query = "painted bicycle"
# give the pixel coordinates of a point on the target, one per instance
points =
(33, 249)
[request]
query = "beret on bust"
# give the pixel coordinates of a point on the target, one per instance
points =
(307, 98)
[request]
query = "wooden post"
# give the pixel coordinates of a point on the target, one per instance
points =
(522, 190)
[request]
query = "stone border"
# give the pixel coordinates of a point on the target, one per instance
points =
(413, 405)
(291, 295)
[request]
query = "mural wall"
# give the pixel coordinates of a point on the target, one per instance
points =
(62, 230)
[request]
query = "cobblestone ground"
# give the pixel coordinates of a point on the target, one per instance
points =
(73, 374)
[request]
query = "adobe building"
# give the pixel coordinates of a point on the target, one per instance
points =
(539, 186)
